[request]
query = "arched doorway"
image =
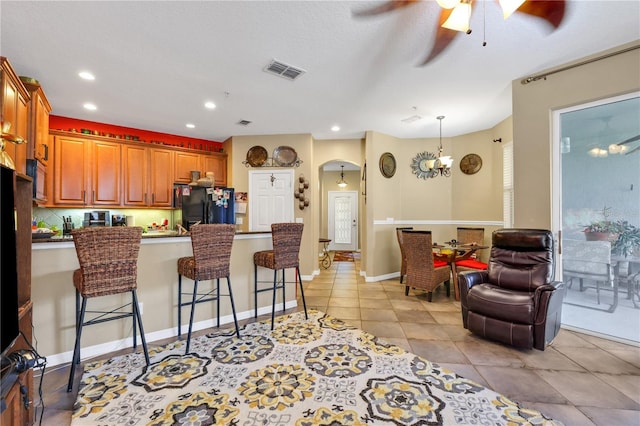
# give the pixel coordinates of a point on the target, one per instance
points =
(340, 204)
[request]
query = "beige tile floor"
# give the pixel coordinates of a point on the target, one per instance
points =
(578, 379)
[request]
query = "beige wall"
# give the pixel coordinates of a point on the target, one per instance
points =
(238, 174)
(430, 204)
(533, 106)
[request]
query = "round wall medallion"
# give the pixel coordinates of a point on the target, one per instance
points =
(387, 164)
(471, 164)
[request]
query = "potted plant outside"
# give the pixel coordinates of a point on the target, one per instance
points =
(624, 237)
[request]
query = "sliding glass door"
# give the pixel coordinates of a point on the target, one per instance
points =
(597, 211)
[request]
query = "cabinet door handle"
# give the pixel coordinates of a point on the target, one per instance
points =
(145, 198)
(93, 197)
(84, 197)
(153, 198)
(46, 152)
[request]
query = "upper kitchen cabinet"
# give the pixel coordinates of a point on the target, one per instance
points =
(216, 163)
(38, 131)
(14, 98)
(185, 163)
(147, 177)
(86, 172)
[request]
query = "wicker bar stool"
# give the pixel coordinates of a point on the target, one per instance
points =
(211, 258)
(286, 239)
(422, 271)
(403, 255)
(108, 260)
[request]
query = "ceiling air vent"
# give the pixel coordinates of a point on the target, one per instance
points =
(244, 122)
(284, 70)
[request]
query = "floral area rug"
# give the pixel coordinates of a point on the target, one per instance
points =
(319, 371)
(343, 256)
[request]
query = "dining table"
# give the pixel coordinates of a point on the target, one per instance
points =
(453, 251)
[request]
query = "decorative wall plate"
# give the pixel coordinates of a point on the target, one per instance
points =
(471, 164)
(285, 156)
(257, 156)
(387, 165)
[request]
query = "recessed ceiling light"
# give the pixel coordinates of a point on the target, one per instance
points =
(191, 126)
(86, 75)
(90, 106)
(209, 105)
(335, 128)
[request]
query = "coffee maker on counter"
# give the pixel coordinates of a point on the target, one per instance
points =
(96, 218)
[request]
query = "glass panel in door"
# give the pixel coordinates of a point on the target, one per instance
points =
(599, 173)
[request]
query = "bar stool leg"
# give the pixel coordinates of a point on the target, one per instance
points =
(255, 290)
(179, 305)
(134, 308)
(233, 308)
(76, 348)
(284, 291)
(304, 303)
(273, 304)
(218, 301)
(136, 311)
(193, 308)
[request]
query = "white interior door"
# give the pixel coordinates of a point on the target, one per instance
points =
(343, 220)
(270, 198)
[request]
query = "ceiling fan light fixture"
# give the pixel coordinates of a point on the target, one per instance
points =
(459, 18)
(509, 6)
(448, 4)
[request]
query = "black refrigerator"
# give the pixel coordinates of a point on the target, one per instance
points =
(205, 204)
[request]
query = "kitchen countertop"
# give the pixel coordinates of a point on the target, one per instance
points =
(167, 236)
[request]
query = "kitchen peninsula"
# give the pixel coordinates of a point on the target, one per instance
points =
(54, 294)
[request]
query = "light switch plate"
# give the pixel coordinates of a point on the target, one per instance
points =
(299, 220)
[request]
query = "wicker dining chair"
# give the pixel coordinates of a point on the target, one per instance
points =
(422, 271)
(211, 245)
(108, 258)
(470, 236)
(286, 239)
(403, 255)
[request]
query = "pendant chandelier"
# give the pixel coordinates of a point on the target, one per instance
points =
(444, 162)
(341, 182)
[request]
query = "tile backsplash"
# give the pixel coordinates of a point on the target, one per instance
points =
(143, 217)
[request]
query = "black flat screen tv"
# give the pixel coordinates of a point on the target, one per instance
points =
(9, 321)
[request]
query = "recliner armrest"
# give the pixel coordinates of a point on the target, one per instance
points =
(467, 279)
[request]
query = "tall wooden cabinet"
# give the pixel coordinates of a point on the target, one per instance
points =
(19, 399)
(14, 99)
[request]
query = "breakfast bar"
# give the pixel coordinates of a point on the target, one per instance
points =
(54, 294)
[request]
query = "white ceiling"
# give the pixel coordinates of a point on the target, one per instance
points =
(156, 63)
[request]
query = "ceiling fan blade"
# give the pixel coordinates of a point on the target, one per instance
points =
(385, 7)
(551, 11)
(631, 139)
(633, 150)
(444, 37)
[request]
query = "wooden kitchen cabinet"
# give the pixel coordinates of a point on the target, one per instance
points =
(185, 162)
(87, 173)
(147, 176)
(161, 162)
(38, 131)
(14, 98)
(216, 163)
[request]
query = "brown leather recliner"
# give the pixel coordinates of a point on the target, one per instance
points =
(515, 301)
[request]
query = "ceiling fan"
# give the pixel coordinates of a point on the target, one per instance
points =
(455, 16)
(631, 139)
